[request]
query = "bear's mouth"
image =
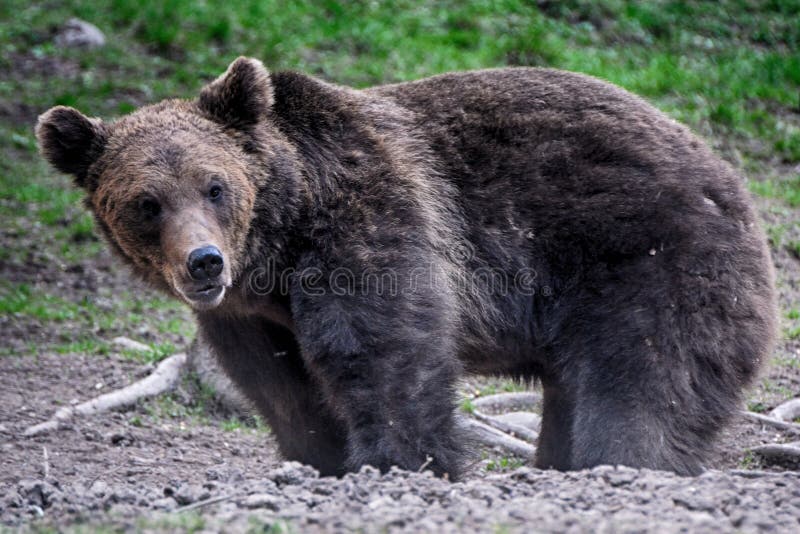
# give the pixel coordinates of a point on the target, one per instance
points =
(207, 297)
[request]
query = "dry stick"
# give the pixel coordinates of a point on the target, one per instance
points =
(428, 460)
(792, 428)
(46, 463)
(162, 379)
(509, 428)
(788, 411)
(495, 438)
(200, 504)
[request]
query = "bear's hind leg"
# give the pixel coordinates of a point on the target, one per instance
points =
(554, 447)
(651, 387)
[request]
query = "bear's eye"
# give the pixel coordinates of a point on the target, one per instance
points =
(149, 207)
(215, 192)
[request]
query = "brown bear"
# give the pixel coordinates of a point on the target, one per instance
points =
(350, 253)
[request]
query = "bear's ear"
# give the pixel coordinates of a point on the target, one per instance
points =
(241, 97)
(70, 141)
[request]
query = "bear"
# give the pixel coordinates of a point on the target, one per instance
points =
(349, 254)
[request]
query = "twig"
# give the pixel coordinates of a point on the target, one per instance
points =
(428, 460)
(46, 463)
(792, 428)
(200, 504)
(162, 379)
(788, 411)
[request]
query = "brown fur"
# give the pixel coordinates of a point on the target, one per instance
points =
(648, 304)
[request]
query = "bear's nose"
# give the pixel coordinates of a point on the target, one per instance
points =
(205, 263)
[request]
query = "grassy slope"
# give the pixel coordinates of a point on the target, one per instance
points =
(730, 69)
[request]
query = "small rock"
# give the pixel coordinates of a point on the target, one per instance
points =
(99, 488)
(293, 473)
(621, 476)
(118, 438)
(695, 502)
(36, 510)
(37, 492)
(78, 33)
(262, 500)
(189, 493)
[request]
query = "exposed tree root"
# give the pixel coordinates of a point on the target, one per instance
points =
(128, 343)
(780, 453)
(162, 379)
(486, 429)
(516, 431)
(491, 437)
(788, 411)
(506, 402)
(792, 428)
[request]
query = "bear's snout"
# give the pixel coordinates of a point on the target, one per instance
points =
(205, 263)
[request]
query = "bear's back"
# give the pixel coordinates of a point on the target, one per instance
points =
(570, 159)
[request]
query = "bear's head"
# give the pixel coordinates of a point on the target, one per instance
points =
(175, 186)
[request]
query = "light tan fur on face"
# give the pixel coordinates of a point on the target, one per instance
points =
(174, 164)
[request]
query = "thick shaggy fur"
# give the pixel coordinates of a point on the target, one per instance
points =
(646, 303)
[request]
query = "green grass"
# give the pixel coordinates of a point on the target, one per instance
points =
(749, 460)
(788, 190)
(246, 424)
(156, 353)
(111, 313)
(467, 406)
(504, 464)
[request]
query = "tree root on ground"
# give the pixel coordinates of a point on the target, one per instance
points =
(792, 428)
(162, 379)
(515, 431)
(492, 437)
(788, 411)
(490, 430)
(486, 429)
(780, 453)
(506, 402)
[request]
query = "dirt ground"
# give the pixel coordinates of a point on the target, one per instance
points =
(179, 463)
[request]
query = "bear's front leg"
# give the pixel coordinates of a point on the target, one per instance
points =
(263, 360)
(387, 365)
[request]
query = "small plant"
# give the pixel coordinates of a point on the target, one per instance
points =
(504, 464)
(232, 425)
(748, 461)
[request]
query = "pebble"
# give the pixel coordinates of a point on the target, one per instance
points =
(77, 33)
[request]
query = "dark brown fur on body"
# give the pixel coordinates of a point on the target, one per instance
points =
(378, 243)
